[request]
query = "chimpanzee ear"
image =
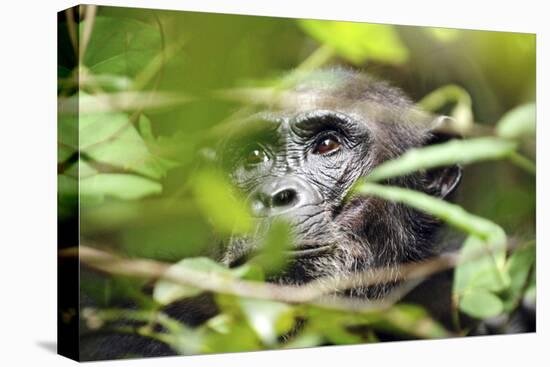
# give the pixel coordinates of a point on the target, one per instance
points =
(443, 181)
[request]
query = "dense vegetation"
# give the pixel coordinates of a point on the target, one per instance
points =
(153, 91)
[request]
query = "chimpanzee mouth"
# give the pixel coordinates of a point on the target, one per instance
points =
(304, 250)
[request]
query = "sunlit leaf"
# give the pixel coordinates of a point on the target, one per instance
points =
(412, 320)
(479, 270)
(239, 338)
(438, 155)
(273, 254)
(121, 186)
(359, 42)
(453, 214)
(126, 151)
(217, 201)
(481, 304)
(249, 271)
(268, 319)
(166, 292)
(221, 323)
(518, 122)
(111, 138)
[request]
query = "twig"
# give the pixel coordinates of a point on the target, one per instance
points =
(320, 292)
(71, 28)
(87, 31)
(523, 163)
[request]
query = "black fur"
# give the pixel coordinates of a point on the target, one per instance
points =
(375, 123)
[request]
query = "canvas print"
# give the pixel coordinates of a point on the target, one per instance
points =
(232, 183)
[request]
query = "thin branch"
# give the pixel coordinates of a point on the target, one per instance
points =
(71, 28)
(523, 163)
(87, 31)
(322, 292)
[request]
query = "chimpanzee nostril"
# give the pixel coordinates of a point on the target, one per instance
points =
(286, 197)
(282, 195)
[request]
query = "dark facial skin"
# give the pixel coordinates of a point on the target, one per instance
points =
(299, 159)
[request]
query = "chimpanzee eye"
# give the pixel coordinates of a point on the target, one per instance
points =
(255, 156)
(326, 145)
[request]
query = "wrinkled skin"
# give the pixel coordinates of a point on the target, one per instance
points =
(299, 158)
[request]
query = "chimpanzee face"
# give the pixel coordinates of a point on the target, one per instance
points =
(300, 167)
(300, 162)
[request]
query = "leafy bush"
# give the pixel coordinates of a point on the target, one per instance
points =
(150, 96)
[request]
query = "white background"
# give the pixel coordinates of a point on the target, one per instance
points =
(28, 182)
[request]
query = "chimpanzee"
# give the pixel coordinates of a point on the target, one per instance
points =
(299, 158)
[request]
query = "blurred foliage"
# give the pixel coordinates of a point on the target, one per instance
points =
(359, 42)
(137, 115)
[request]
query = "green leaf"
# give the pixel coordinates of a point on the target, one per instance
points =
(120, 46)
(96, 128)
(411, 320)
(518, 122)
(273, 256)
(218, 202)
(332, 325)
(481, 304)
(145, 129)
(480, 271)
(359, 42)
(452, 152)
(249, 271)
(127, 151)
(267, 318)
(166, 292)
(239, 338)
(121, 186)
(451, 213)
(220, 323)
(518, 267)
(461, 113)
(482, 266)
(438, 98)
(111, 138)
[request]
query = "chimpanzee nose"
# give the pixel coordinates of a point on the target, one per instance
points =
(281, 195)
